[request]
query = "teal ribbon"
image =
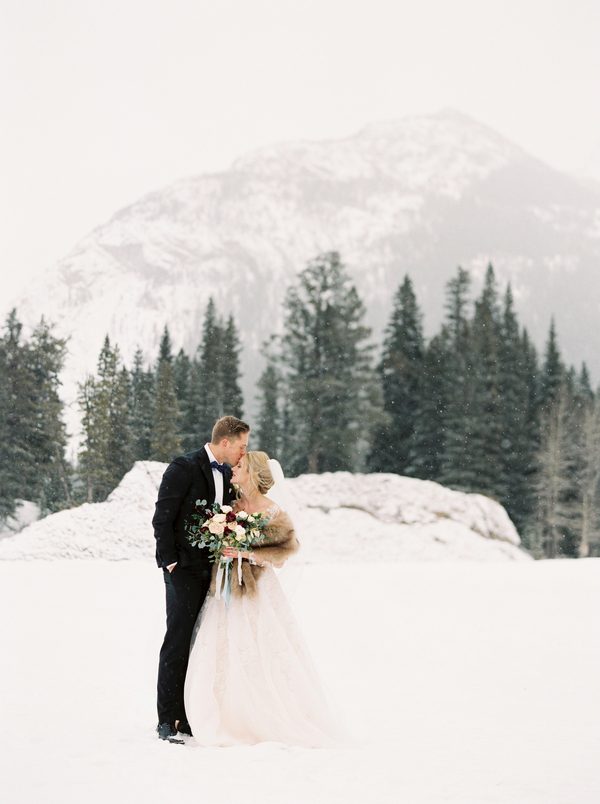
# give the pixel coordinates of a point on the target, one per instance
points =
(227, 584)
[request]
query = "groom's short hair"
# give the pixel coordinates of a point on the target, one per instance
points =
(228, 427)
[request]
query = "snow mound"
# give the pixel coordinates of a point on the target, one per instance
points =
(117, 529)
(339, 516)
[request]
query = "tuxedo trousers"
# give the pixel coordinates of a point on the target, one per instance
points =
(186, 589)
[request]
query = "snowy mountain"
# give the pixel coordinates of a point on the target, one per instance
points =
(418, 195)
(335, 515)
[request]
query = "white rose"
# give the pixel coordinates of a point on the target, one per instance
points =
(216, 528)
(219, 518)
(242, 515)
(240, 532)
(226, 509)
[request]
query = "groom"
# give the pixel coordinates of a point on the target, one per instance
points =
(204, 474)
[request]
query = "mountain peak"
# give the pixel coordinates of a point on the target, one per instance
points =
(420, 194)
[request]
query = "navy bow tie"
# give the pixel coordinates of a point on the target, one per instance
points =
(220, 467)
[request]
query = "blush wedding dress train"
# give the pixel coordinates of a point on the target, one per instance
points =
(250, 677)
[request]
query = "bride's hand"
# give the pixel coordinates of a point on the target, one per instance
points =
(231, 552)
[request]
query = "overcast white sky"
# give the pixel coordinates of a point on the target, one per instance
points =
(105, 100)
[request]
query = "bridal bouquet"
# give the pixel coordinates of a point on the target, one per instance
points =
(216, 527)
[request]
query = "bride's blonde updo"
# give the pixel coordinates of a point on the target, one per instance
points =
(259, 471)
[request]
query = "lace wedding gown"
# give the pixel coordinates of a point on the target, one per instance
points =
(250, 677)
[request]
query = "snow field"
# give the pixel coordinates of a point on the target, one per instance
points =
(463, 682)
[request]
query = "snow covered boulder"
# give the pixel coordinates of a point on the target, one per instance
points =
(339, 516)
(386, 516)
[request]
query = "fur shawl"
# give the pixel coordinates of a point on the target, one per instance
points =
(279, 544)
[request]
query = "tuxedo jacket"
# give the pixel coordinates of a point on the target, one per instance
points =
(186, 479)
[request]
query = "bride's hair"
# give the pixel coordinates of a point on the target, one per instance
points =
(259, 471)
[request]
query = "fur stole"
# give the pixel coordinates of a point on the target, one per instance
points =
(279, 544)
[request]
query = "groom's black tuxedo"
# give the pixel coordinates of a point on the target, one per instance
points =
(187, 479)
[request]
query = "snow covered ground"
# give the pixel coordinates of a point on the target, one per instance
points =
(466, 672)
(464, 683)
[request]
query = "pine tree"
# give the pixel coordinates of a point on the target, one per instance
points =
(47, 354)
(458, 389)
(327, 366)
(191, 437)
(521, 434)
(120, 443)
(8, 491)
(558, 514)
(12, 434)
(208, 384)
(432, 407)
(486, 433)
(518, 443)
(32, 430)
(401, 372)
(269, 427)
(590, 477)
(142, 383)
(457, 300)
(233, 401)
(181, 376)
(584, 384)
(552, 374)
(106, 452)
(165, 442)
(18, 455)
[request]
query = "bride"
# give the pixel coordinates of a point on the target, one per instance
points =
(250, 677)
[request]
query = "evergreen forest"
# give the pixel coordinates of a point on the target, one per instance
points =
(474, 407)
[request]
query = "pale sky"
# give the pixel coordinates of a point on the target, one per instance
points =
(105, 100)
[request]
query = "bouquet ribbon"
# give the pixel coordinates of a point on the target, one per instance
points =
(223, 580)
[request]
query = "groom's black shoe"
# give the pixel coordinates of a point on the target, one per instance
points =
(167, 731)
(184, 728)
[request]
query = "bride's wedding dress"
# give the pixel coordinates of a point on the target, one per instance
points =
(250, 677)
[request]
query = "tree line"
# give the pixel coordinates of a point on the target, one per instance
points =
(474, 407)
